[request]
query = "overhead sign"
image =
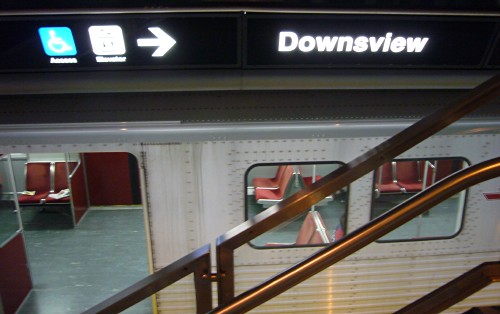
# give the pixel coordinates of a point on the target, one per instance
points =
(246, 41)
(367, 41)
(90, 42)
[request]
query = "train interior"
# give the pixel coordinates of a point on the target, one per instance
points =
(80, 232)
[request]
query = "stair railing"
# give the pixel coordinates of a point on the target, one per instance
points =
(198, 262)
(362, 236)
(455, 290)
(301, 201)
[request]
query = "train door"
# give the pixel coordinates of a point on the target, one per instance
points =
(85, 236)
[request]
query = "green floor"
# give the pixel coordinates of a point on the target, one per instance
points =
(442, 221)
(75, 268)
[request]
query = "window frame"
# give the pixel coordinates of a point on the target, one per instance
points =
(344, 190)
(466, 163)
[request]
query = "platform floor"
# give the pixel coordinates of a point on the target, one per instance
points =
(76, 268)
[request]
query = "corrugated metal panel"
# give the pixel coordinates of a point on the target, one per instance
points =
(368, 286)
(379, 279)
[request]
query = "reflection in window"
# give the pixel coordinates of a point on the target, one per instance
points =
(396, 181)
(324, 223)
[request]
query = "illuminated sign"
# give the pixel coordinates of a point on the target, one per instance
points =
(355, 41)
(246, 41)
(109, 42)
(289, 41)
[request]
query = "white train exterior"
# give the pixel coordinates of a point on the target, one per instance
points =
(194, 191)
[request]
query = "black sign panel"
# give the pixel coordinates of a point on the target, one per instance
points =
(241, 41)
(494, 60)
(120, 41)
(366, 41)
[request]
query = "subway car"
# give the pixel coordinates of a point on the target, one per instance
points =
(216, 115)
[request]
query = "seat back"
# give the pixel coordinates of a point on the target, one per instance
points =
(284, 180)
(279, 173)
(385, 173)
(408, 171)
(311, 230)
(61, 175)
(445, 167)
(38, 176)
(271, 183)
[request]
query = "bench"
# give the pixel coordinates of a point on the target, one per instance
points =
(46, 183)
(385, 179)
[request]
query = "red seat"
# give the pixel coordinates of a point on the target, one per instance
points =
(309, 180)
(385, 181)
(38, 181)
(408, 176)
(269, 183)
(279, 193)
(445, 167)
(312, 229)
(312, 232)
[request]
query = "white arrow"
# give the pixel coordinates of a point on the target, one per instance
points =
(163, 41)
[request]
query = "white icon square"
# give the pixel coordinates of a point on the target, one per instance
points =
(107, 40)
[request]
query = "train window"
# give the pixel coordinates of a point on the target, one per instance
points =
(267, 184)
(396, 181)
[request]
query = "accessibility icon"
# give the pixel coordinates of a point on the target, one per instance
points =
(57, 41)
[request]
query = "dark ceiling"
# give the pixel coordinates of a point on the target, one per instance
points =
(427, 5)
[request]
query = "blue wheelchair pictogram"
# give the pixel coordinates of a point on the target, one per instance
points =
(57, 41)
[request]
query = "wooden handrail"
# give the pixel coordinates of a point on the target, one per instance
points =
(197, 262)
(455, 290)
(362, 236)
(343, 176)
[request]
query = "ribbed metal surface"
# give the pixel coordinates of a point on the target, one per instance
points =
(379, 279)
(352, 286)
(369, 286)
